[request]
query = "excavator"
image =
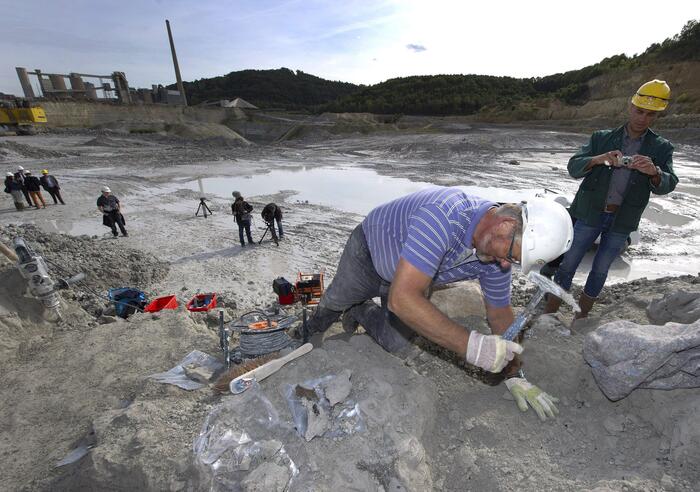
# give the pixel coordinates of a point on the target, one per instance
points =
(20, 116)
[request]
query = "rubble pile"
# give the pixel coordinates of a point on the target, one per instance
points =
(106, 264)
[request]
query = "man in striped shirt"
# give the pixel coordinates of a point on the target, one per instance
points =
(435, 236)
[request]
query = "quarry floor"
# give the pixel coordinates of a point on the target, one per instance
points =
(431, 423)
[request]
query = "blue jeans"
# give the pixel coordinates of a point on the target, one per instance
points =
(611, 244)
(244, 225)
(355, 284)
(279, 227)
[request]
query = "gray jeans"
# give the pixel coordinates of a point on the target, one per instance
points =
(355, 284)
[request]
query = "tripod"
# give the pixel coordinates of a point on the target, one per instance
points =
(203, 207)
(271, 228)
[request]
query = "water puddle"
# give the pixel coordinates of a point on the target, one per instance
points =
(350, 189)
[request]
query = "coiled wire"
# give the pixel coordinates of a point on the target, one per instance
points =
(254, 343)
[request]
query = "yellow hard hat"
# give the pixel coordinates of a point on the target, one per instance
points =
(44, 171)
(653, 95)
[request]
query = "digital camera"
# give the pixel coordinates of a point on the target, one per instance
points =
(625, 160)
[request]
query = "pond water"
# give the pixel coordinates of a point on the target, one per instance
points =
(350, 189)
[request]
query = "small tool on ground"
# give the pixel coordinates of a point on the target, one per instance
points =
(236, 370)
(545, 286)
(242, 383)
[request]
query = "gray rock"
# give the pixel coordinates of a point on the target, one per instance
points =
(459, 300)
(201, 374)
(339, 387)
(268, 477)
(318, 420)
(104, 320)
(624, 356)
(679, 306)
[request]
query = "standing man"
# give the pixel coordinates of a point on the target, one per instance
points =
(33, 186)
(20, 176)
(438, 236)
(620, 169)
(241, 212)
(110, 207)
(271, 214)
(50, 184)
(14, 188)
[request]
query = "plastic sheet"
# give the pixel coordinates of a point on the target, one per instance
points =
(315, 416)
(239, 445)
(177, 375)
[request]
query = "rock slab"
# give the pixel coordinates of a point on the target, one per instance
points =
(624, 356)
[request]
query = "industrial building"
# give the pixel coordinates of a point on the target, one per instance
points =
(107, 88)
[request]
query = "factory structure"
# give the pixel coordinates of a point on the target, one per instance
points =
(90, 87)
(107, 88)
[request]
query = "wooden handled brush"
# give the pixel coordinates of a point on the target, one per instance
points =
(257, 369)
(221, 384)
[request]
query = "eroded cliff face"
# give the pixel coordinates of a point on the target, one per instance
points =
(610, 94)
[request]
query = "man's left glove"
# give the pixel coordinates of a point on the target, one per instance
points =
(524, 393)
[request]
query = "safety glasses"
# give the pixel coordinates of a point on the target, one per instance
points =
(509, 256)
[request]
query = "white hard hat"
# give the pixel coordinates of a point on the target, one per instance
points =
(8, 173)
(105, 189)
(27, 172)
(547, 233)
(20, 168)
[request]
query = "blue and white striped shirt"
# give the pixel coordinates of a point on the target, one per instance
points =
(432, 230)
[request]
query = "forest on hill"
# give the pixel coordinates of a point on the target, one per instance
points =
(280, 88)
(430, 94)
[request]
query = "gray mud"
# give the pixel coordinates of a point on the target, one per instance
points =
(432, 423)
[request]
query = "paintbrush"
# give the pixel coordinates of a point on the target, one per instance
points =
(222, 382)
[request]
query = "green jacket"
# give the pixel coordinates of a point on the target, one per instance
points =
(591, 195)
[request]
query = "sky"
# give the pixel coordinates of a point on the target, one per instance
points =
(359, 41)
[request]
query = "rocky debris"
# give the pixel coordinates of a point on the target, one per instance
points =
(268, 477)
(11, 149)
(624, 356)
(338, 388)
(107, 141)
(201, 374)
(679, 307)
(106, 264)
(318, 419)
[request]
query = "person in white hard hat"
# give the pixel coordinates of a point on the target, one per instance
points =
(21, 178)
(438, 236)
(110, 207)
(620, 168)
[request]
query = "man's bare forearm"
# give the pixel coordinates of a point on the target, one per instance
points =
(428, 321)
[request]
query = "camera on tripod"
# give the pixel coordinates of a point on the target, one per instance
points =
(203, 207)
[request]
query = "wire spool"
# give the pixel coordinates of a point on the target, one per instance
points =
(262, 336)
(255, 342)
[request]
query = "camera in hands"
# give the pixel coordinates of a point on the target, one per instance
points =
(625, 160)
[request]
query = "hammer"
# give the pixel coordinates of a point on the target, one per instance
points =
(546, 286)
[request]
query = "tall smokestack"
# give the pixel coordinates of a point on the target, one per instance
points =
(180, 87)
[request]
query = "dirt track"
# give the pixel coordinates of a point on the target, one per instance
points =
(429, 424)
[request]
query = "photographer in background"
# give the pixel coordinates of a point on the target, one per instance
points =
(620, 169)
(241, 212)
(273, 213)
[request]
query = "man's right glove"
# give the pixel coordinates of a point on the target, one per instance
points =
(490, 352)
(524, 392)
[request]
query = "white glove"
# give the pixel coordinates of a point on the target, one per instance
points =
(524, 392)
(490, 352)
